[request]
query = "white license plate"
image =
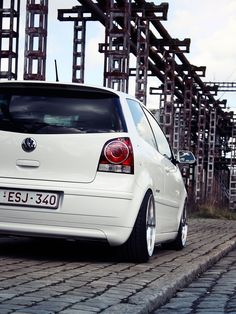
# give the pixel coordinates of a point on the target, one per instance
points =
(29, 198)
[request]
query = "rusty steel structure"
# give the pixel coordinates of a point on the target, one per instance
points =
(80, 19)
(9, 38)
(189, 112)
(223, 86)
(35, 40)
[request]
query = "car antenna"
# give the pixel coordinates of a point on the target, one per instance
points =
(57, 78)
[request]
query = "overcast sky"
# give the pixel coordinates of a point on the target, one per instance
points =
(210, 24)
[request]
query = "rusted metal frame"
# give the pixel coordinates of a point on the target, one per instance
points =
(232, 179)
(206, 181)
(75, 13)
(222, 187)
(165, 46)
(220, 140)
(165, 35)
(177, 126)
(36, 35)
(17, 17)
(11, 54)
(200, 150)
(223, 86)
(111, 76)
(117, 46)
(1, 34)
(186, 132)
(221, 160)
(152, 11)
(79, 51)
(160, 63)
(157, 65)
(188, 171)
(176, 45)
(211, 155)
(10, 59)
(171, 116)
(225, 125)
(167, 109)
(185, 137)
(225, 161)
(190, 70)
(158, 60)
(142, 21)
(80, 16)
(142, 59)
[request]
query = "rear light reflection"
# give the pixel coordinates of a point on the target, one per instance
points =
(117, 156)
(116, 152)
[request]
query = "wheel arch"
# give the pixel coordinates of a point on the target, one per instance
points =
(138, 199)
(140, 245)
(140, 194)
(182, 207)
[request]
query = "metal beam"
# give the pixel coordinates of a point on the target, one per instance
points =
(223, 86)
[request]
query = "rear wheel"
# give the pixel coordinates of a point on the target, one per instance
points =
(140, 245)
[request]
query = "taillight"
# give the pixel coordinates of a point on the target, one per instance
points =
(117, 156)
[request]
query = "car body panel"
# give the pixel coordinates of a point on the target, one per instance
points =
(75, 161)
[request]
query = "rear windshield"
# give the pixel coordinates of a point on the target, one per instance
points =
(49, 114)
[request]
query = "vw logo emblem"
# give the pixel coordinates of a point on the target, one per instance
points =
(29, 144)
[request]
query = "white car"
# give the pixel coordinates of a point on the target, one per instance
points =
(88, 163)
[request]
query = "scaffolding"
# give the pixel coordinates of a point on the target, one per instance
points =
(177, 127)
(167, 100)
(189, 114)
(142, 59)
(9, 38)
(185, 138)
(80, 16)
(211, 155)
(232, 179)
(201, 150)
(117, 45)
(36, 40)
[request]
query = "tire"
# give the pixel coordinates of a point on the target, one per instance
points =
(140, 245)
(180, 241)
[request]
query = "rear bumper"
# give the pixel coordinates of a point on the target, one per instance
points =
(114, 236)
(86, 211)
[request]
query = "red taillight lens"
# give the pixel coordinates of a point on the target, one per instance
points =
(116, 152)
(117, 156)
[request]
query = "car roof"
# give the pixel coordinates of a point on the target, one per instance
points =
(60, 85)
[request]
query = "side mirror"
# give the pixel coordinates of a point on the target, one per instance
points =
(185, 157)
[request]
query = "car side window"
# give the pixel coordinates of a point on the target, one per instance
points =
(162, 143)
(141, 122)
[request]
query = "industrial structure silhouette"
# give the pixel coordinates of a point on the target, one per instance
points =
(189, 112)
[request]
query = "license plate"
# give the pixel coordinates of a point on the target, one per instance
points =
(29, 198)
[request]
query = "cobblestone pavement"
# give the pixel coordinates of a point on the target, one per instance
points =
(50, 277)
(212, 292)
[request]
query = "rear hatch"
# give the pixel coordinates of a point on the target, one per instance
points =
(55, 132)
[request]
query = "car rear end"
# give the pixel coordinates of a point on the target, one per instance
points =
(66, 162)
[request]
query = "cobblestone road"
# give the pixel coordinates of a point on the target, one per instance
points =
(50, 277)
(213, 292)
